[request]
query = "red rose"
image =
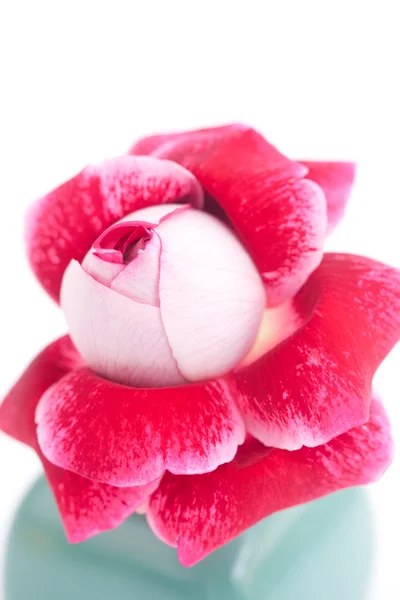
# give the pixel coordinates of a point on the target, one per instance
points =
(265, 347)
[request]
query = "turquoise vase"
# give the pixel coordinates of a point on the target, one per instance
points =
(320, 551)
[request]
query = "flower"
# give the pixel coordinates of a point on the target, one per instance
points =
(279, 412)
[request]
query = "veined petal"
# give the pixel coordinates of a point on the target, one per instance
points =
(279, 216)
(128, 436)
(317, 383)
(198, 514)
(63, 225)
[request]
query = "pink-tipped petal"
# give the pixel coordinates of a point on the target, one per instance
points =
(336, 179)
(63, 225)
(86, 507)
(119, 338)
(198, 514)
(128, 436)
(280, 217)
(317, 384)
(211, 296)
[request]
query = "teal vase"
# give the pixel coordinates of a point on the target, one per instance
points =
(320, 551)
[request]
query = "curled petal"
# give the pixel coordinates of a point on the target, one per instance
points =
(200, 513)
(119, 338)
(86, 507)
(211, 296)
(127, 436)
(279, 216)
(140, 280)
(317, 383)
(63, 225)
(201, 139)
(336, 179)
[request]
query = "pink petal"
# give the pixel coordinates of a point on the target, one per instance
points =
(140, 279)
(211, 296)
(153, 214)
(103, 271)
(317, 384)
(200, 513)
(336, 179)
(86, 507)
(280, 217)
(64, 224)
(128, 436)
(119, 338)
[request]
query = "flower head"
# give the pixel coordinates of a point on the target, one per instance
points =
(221, 364)
(166, 296)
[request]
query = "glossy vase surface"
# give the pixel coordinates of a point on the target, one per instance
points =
(320, 551)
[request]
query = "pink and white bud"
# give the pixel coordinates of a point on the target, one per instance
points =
(165, 296)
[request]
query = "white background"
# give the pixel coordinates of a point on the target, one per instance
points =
(81, 80)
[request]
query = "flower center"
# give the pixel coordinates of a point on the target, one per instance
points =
(122, 243)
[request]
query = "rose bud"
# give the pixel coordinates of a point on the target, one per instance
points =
(166, 296)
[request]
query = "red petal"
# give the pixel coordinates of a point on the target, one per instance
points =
(128, 436)
(280, 217)
(64, 224)
(317, 383)
(336, 179)
(86, 507)
(200, 137)
(200, 513)
(89, 507)
(17, 412)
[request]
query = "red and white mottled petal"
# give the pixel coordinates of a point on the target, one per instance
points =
(198, 139)
(89, 507)
(17, 411)
(336, 179)
(317, 383)
(211, 296)
(119, 338)
(279, 216)
(198, 514)
(63, 225)
(86, 507)
(128, 436)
